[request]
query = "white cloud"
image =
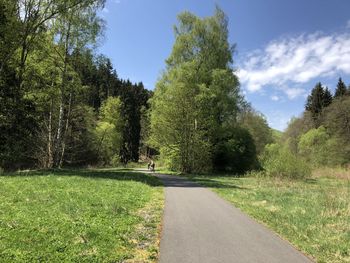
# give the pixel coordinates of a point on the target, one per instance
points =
(296, 60)
(293, 93)
(275, 98)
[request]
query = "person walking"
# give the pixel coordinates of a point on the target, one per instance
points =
(153, 165)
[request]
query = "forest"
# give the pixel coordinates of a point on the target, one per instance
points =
(320, 137)
(63, 105)
(60, 103)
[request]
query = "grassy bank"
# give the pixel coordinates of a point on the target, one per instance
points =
(79, 216)
(313, 214)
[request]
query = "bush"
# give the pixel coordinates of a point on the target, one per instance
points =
(236, 152)
(313, 146)
(279, 161)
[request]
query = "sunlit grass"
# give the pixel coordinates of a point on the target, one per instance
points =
(313, 214)
(79, 216)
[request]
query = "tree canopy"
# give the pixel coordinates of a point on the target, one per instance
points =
(196, 102)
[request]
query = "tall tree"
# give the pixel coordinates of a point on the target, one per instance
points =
(319, 98)
(134, 97)
(36, 16)
(197, 94)
(341, 89)
(337, 119)
(74, 29)
(109, 130)
(257, 126)
(17, 120)
(10, 25)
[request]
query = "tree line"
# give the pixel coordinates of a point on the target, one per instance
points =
(320, 137)
(60, 103)
(322, 133)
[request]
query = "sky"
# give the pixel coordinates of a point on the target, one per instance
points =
(283, 47)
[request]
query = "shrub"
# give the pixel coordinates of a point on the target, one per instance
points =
(313, 146)
(279, 161)
(236, 152)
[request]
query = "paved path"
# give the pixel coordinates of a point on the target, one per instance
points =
(198, 226)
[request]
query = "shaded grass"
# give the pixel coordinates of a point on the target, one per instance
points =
(79, 216)
(313, 214)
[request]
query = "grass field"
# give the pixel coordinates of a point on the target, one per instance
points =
(313, 214)
(80, 216)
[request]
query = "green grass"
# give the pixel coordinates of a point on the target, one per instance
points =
(313, 214)
(80, 216)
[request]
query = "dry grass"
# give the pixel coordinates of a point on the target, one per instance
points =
(339, 173)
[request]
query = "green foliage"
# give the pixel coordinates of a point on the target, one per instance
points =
(82, 141)
(337, 122)
(235, 152)
(319, 99)
(109, 130)
(17, 123)
(203, 40)
(279, 161)
(257, 126)
(17, 118)
(134, 97)
(297, 127)
(196, 96)
(321, 135)
(52, 87)
(101, 82)
(341, 89)
(337, 118)
(276, 135)
(318, 148)
(9, 27)
(176, 127)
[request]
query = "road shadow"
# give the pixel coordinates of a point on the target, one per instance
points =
(175, 181)
(216, 184)
(115, 174)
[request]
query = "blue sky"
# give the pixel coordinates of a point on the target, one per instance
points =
(283, 46)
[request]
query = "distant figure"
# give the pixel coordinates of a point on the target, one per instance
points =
(153, 165)
(149, 165)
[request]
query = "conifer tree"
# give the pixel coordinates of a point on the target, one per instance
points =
(327, 98)
(318, 99)
(341, 89)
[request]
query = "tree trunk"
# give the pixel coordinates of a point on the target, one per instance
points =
(61, 121)
(66, 130)
(49, 142)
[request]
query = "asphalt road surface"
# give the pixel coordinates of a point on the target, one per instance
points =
(199, 226)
